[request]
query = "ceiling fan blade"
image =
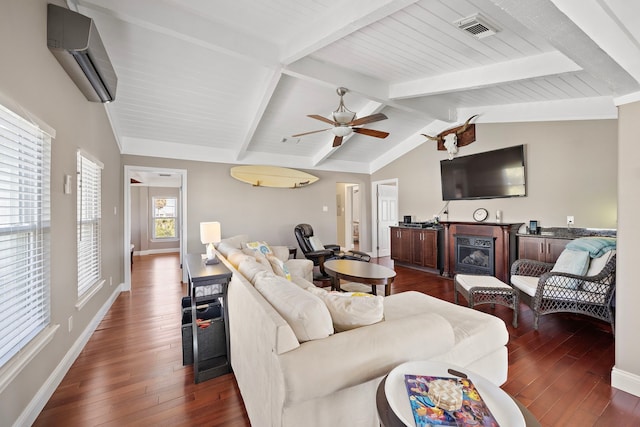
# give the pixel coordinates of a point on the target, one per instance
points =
(337, 141)
(307, 133)
(322, 119)
(368, 119)
(371, 132)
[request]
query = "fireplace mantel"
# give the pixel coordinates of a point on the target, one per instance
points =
(505, 243)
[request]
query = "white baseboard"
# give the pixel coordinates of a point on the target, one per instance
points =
(43, 395)
(625, 381)
(156, 251)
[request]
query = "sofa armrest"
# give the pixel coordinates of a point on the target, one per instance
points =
(321, 367)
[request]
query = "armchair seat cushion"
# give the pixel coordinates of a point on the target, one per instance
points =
(527, 284)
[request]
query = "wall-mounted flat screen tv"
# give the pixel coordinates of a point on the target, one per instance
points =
(488, 175)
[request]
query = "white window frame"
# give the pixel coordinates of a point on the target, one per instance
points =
(89, 226)
(154, 217)
(25, 255)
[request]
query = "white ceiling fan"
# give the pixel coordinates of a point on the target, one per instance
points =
(345, 122)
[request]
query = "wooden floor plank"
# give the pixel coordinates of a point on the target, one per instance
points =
(130, 372)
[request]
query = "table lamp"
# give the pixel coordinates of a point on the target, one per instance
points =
(210, 234)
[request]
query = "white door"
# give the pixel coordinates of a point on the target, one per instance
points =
(387, 196)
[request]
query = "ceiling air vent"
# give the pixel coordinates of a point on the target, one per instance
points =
(477, 26)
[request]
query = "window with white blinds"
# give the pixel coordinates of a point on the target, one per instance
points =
(89, 222)
(25, 162)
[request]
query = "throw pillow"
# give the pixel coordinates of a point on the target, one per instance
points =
(279, 268)
(307, 315)
(571, 262)
(261, 247)
(316, 244)
(350, 310)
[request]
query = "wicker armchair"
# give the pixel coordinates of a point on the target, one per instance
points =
(551, 292)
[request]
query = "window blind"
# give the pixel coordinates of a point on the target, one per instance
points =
(25, 162)
(89, 222)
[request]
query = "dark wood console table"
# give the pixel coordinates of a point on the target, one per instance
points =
(215, 277)
(505, 244)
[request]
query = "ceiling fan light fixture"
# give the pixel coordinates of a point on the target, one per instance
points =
(342, 114)
(341, 130)
(343, 117)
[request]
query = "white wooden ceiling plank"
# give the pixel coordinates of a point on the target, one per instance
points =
(446, 13)
(343, 20)
(514, 70)
(438, 48)
(459, 47)
(373, 56)
(158, 17)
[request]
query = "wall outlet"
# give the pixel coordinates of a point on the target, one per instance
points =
(570, 220)
(70, 323)
(110, 280)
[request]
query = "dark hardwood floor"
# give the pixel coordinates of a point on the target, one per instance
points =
(130, 372)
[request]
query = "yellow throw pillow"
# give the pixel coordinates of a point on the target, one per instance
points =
(261, 247)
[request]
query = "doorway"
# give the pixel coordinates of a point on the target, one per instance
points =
(154, 177)
(384, 214)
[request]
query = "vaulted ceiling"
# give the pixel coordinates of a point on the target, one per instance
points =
(232, 81)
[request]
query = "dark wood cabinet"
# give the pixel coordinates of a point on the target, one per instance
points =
(417, 247)
(425, 248)
(401, 244)
(541, 248)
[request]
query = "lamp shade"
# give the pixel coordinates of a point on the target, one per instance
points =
(210, 232)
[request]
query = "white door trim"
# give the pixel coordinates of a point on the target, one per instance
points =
(128, 173)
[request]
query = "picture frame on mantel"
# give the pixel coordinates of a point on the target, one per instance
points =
(533, 227)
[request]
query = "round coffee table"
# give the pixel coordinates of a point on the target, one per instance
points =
(491, 393)
(359, 272)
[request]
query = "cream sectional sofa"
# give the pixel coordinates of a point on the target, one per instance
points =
(331, 379)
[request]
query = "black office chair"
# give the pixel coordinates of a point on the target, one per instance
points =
(304, 232)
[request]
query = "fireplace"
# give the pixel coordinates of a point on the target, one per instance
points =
(502, 236)
(475, 255)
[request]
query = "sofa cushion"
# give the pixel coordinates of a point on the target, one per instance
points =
(307, 315)
(250, 268)
(342, 361)
(476, 333)
(350, 310)
(236, 241)
(236, 256)
(279, 267)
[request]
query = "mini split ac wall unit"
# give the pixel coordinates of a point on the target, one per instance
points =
(74, 41)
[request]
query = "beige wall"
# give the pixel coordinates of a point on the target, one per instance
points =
(32, 80)
(571, 170)
(268, 214)
(626, 373)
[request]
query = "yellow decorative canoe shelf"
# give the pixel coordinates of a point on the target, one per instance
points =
(272, 176)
